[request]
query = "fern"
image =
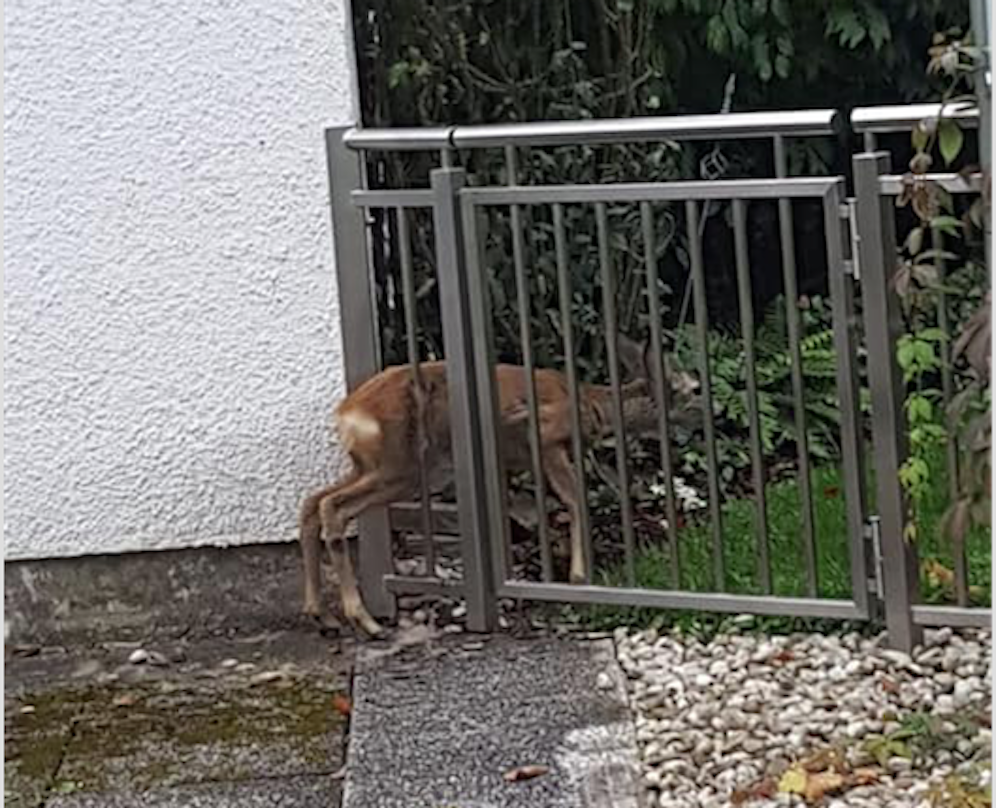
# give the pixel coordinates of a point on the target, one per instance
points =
(773, 372)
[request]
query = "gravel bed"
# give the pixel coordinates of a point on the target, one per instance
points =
(720, 723)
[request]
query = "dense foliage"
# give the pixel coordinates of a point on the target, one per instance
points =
(443, 61)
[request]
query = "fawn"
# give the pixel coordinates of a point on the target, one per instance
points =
(377, 426)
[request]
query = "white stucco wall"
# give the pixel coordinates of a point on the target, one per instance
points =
(171, 331)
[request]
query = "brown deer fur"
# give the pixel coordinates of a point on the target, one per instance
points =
(377, 426)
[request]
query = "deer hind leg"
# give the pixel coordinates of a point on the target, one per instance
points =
(311, 550)
(336, 509)
(560, 474)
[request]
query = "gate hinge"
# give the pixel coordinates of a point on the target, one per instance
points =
(873, 535)
(848, 212)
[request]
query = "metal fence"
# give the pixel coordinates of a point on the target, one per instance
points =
(860, 246)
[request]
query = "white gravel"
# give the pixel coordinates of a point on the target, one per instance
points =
(723, 716)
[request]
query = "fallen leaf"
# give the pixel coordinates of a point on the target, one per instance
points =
(125, 700)
(819, 785)
(937, 574)
(831, 492)
(793, 781)
(863, 777)
(889, 686)
(528, 772)
(765, 790)
(342, 705)
(781, 658)
(830, 758)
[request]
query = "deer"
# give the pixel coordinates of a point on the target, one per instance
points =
(378, 424)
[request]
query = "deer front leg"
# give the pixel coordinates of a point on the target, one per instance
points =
(560, 474)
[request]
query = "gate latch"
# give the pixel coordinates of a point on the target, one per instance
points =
(848, 212)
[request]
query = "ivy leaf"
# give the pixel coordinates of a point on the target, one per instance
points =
(950, 140)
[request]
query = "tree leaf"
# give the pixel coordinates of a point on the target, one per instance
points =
(950, 140)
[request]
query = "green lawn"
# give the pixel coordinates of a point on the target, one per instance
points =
(785, 536)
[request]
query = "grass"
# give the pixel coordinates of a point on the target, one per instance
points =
(787, 558)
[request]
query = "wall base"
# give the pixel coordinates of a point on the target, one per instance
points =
(137, 596)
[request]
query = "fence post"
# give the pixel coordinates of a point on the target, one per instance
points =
(883, 326)
(358, 318)
(469, 457)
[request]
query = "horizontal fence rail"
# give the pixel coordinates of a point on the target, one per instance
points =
(601, 131)
(903, 117)
(793, 188)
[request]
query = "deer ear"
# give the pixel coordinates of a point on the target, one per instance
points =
(632, 355)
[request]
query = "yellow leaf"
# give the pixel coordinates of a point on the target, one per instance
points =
(793, 781)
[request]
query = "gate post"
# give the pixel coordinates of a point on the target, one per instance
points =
(883, 326)
(466, 404)
(358, 318)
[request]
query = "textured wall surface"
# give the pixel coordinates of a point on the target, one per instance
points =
(172, 346)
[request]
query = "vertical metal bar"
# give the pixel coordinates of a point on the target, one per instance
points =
(465, 403)
(795, 335)
(411, 331)
(702, 327)
(661, 391)
(475, 234)
(848, 391)
(615, 381)
(360, 347)
(947, 392)
(745, 293)
(869, 141)
(883, 325)
(528, 362)
(979, 13)
(573, 388)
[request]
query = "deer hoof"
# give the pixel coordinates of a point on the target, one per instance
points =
(577, 577)
(360, 618)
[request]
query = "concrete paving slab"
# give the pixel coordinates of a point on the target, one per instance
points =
(212, 729)
(290, 792)
(438, 726)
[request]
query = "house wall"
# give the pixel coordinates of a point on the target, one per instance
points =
(172, 352)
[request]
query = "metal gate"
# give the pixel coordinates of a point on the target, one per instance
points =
(881, 565)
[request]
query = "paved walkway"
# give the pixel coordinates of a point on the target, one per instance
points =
(441, 725)
(435, 721)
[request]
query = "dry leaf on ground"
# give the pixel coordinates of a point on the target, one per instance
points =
(528, 772)
(342, 705)
(821, 784)
(862, 777)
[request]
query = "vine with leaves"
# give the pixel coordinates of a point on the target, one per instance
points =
(943, 283)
